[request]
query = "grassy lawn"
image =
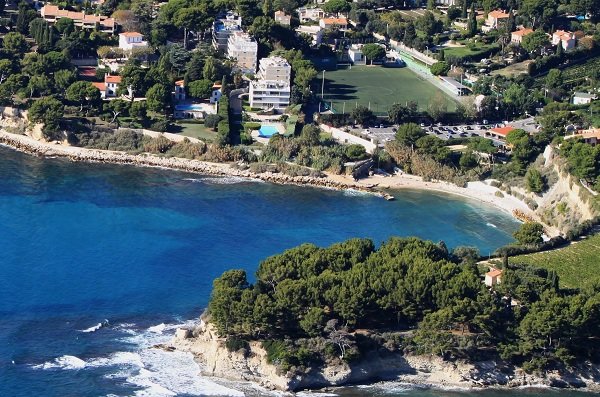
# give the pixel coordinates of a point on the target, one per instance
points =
(514, 69)
(197, 131)
(474, 52)
(380, 86)
(577, 265)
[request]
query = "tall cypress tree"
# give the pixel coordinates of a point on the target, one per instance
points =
(472, 24)
(464, 8)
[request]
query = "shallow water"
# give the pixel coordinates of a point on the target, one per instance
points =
(98, 262)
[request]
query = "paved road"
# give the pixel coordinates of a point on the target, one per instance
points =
(235, 103)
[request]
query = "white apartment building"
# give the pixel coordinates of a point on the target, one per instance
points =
(130, 40)
(223, 27)
(243, 48)
(271, 89)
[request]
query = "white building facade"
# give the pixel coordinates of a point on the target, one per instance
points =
(130, 40)
(244, 49)
(223, 28)
(272, 88)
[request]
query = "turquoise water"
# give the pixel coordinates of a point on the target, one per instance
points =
(267, 131)
(98, 262)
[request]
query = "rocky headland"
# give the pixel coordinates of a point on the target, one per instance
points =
(251, 365)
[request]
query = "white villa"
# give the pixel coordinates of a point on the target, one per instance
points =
(516, 37)
(314, 31)
(310, 14)
(243, 48)
(494, 20)
(282, 18)
(583, 98)
(109, 88)
(334, 23)
(130, 40)
(355, 54)
(568, 40)
(272, 87)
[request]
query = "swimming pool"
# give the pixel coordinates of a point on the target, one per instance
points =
(267, 131)
(191, 107)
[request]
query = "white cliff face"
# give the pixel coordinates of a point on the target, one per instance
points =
(217, 361)
(431, 371)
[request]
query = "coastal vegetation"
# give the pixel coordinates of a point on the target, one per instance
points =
(311, 306)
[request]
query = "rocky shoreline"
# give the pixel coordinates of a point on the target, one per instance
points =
(28, 145)
(423, 371)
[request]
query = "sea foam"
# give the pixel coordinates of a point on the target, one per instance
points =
(156, 372)
(63, 362)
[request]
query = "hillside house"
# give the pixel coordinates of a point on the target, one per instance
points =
(590, 136)
(583, 98)
(334, 23)
(108, 89)
(500, 132)
(516, 37)
(310, 14)
(494, 20)
(130, 40)
(282, 18)
(568, 40)
(314, 31)
(493, 277)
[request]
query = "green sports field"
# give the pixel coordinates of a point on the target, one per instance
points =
(380, 86)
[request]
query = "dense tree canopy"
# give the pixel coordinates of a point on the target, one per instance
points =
(308, 292)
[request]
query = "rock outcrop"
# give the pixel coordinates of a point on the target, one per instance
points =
(429, 371)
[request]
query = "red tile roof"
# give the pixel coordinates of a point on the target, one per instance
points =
(112, 79)
(498, 14)
(100, 86)
(494, 273)
(131, 34)
(522, 32)
(503, 131)
(335, 21)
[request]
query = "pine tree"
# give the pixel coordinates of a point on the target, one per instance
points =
(267, 8)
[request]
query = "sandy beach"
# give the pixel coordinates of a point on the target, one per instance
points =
(376, 184)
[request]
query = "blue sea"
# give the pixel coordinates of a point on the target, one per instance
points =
(100, 262)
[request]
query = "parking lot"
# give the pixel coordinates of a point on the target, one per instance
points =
(386, 134)
(383, 134)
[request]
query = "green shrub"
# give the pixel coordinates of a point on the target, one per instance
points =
(160, 126)
(252, 126)
(234, 344)
(440, 68)
(158, 145)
